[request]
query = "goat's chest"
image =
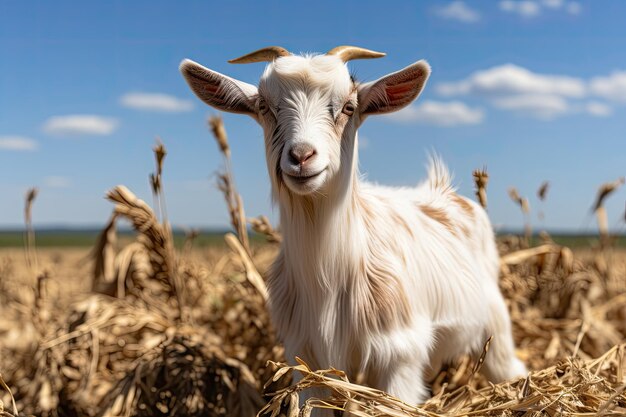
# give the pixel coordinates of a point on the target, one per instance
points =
(332, 317)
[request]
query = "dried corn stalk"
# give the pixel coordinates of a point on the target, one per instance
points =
(219, 132)
(187, 374)
(572, 387)
(31, 255)
(103, 254)
(263, 226)
(525, 208)
(542, 192)
(14, 406)
(156, 180)
(481, 178)
(605, 190)
(155, 237)
(226, 184)
(252, 274)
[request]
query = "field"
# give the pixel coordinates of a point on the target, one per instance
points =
(153, 323)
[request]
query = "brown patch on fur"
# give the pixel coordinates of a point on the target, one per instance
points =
(395, 216)
(467, 209)
(464, 204)
(399, 220)
(438, 215)
(386, 306)
(465, 231)
(381, 300)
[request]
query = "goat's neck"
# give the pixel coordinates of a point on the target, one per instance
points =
(322, 233)
(305, 219)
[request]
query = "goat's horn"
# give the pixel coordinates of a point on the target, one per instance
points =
(347, 53)
(262, 55)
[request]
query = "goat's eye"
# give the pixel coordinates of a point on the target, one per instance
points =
(348, 109)
(263, 107)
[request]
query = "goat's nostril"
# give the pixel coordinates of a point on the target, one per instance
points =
(308, 155)
(301, 156)
(293, 157)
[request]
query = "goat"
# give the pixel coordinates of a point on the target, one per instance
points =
(386, 283)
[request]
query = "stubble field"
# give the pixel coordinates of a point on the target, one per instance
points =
(137, 326)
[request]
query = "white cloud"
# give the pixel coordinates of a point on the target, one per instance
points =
(547, 107)
(573, 8)
(17, 143)
(524, 8)
(611, 87)
(55, 181)
(446, 114)
(511, 79)
(514, 88)
(534, 8)
(553, 4)
(541, 106)
(80, 124)
(155, 102)
(458, 10)
(598, 109)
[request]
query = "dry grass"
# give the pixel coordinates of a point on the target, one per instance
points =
(604, 191)
(153, 332)
(226, 183)
(31, 256)
(481, 179)
(572, 387)
(141, 349)
(524, 206)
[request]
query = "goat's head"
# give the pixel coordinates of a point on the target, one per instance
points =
(310, 108)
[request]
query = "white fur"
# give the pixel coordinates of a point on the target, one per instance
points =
(386, 282)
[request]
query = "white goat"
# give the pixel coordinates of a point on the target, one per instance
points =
(385, 282)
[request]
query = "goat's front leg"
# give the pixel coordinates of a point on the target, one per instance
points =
(405, 380)
(400, 361)
(306, 352)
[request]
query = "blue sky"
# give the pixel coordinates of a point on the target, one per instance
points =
(534, 90)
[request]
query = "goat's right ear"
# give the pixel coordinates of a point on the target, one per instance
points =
(218, 90)
(393, 91)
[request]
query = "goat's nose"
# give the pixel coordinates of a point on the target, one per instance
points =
(301, 154)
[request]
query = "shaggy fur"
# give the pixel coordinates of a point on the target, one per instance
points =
(385, 282)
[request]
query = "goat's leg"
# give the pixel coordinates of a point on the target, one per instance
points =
(305, 351)
(405, 380)
(501, 363)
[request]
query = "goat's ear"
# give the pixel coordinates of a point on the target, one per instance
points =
(394, 91)
(218, 90)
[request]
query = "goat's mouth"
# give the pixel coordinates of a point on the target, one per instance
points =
(301, 179)
(305, 183)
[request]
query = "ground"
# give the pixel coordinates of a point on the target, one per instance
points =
(65, 350)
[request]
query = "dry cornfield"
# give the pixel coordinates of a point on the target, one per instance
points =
(143, 329)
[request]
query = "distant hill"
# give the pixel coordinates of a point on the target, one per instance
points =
(59, 237)
(85, 237)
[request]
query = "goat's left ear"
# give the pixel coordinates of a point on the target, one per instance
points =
(394, 91)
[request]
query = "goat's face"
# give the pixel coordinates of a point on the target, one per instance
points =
(310, 108)
(306, 106)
